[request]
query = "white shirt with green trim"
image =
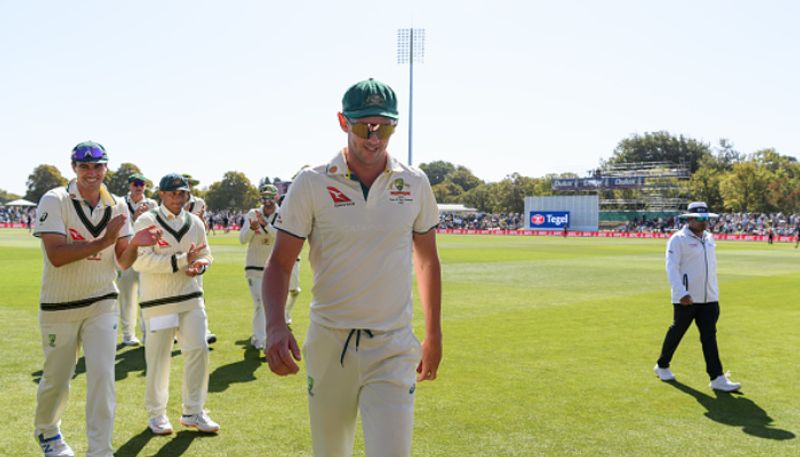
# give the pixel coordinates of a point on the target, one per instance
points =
(259, 242)
(81, 288)
(164, 287)
(360, 249)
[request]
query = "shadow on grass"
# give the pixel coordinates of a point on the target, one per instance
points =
(176, 446)
(236, 372)
(126, 362)
(735, 410)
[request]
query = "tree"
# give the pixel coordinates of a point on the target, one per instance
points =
(463, 177)
(235, 191)
(660, 147)
(447, 192)
(117, 181)
(6, 196)
(745, 187)
(437, 171)
(43, 178)
(479, 197)
(704, 185)
(510, 193)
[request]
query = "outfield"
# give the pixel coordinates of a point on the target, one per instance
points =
(549, 347)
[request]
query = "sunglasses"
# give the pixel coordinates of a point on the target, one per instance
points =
(363, 131)
(83, 153)
(138, 183)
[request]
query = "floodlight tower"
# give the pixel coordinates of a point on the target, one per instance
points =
(410, 49)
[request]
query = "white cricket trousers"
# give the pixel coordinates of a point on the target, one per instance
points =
(128, 284)
(158, 355)
(61, 343)
(376, 376)
(259, 313)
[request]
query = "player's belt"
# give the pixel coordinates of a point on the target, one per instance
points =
(357, 332)
(77, 303)
(168, 300)
(254, 268)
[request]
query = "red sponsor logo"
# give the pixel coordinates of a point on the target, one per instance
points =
(75, 235)
(337, 195)
(537, 219)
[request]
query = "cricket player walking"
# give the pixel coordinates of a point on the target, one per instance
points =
(85, 233)
(364, 214)
(128, 280)
(171, 299)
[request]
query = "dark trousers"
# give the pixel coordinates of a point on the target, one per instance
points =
(705, 316)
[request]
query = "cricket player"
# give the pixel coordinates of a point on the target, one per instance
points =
(128, 280)
(197, 206)
(691, 264)
(171, 299)
(258, 233)
(85, 233)
(364, 215)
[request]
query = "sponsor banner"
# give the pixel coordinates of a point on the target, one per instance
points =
(629, 182)
(543, 220)
(604, 234)
(12, 225)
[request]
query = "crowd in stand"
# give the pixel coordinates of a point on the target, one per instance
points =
(728, 224)
(481, 221)
(17, 214)
(224, 219)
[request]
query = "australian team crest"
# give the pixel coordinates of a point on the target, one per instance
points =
(400, 191)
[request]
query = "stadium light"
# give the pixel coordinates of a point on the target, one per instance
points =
(410, 49)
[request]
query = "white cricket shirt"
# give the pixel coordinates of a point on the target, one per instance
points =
(360, 249)
(259, 242)
(82, 288)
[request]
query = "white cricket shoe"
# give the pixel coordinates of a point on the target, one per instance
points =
(201, 422)
(723, 383)
(160, 425)
(260, 345)
(130, 341)
(663, 374)
(55, 446)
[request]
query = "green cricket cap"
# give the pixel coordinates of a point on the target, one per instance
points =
(369, 98)
(136, 177)
(173, 181)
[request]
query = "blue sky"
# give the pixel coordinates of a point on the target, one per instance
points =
(507, 86)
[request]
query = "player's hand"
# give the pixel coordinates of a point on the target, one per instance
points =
(140, 210)
(197, 267)
(146, 237)
(282, 351)
(431, 357)
(194, 253)
(254, 225)
(113, 228)
(686, 300)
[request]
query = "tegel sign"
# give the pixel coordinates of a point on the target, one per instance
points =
(549, 219)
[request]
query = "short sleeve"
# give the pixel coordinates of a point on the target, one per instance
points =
(296, 214)
(127, 229)
(428, 216)
(48, 216)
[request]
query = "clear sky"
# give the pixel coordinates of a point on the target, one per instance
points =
(532, 87)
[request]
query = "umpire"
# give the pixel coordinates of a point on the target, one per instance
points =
(692, 274)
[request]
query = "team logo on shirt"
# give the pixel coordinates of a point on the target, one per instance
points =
(339, 198)
(400, 194)
(75, 235)
(51, 340)
(43, 217)
(310, 386)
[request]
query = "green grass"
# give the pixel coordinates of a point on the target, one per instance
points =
(549, 346)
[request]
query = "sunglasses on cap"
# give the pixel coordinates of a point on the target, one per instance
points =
(85, 153)
(699, 218)
(363, 131)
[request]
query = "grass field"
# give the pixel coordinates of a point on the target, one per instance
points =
(549, 346)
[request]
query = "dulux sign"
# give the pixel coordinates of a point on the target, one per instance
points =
(549, 219)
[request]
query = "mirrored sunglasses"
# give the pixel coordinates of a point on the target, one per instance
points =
(361, 130)
(84, 153)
